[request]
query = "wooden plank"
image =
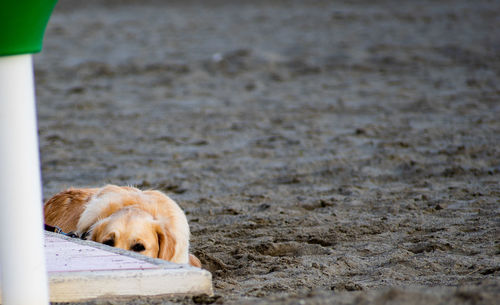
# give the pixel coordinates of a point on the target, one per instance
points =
(96, 263)
(81, 286)
(82, 270)
(66, 256)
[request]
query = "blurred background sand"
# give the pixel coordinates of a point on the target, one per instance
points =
(325, 152)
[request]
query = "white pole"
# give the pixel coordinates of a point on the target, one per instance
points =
(22, 257)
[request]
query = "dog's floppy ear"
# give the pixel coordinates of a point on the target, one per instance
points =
(166, 243)
(96, 231)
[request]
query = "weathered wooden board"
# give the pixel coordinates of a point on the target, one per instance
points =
(80, 270)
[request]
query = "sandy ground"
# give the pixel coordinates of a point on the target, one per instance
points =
(325, 152)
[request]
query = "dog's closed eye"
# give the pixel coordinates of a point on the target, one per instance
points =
(138, 247)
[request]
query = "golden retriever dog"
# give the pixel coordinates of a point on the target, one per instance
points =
(147, 222)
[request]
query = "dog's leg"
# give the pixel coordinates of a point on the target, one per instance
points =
(194, 261)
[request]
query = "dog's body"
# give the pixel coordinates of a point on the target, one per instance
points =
(147, 222)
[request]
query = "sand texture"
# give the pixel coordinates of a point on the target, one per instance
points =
(325, 152)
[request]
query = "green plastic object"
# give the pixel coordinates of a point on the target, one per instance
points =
(22, 25)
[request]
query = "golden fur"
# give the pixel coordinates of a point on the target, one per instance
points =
(148, 222)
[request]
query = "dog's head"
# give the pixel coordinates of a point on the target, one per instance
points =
(136, 230)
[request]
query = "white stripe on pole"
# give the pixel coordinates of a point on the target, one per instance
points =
(22, 257)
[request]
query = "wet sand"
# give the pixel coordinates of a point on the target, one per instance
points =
(325, 152)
